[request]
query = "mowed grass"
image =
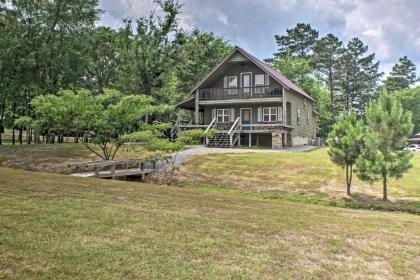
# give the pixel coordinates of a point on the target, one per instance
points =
(307, 172)
(55, 157)
(56, 227)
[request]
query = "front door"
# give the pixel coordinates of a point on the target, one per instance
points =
(246, 118)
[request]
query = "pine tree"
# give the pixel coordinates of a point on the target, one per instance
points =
(327, 52)
(298, 42)
(345, 144)
(388, 129)
(358, 76)
(403, 74)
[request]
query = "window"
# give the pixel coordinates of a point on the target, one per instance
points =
(269, 114)
(307, 117)
(223, 115)
(298, 116)
(233, 84)
(259, 83)
(304, 103)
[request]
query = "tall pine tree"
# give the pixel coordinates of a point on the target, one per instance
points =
(403, 74)
(327, 52)
(298, 41)
(358, 76)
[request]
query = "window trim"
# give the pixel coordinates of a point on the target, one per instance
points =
(223, 115)
(270, 114)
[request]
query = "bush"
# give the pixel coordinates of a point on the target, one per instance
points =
(195, 136)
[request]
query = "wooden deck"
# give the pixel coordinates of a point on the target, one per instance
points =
(112, 169)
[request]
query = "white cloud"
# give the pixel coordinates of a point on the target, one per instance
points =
(390, 28)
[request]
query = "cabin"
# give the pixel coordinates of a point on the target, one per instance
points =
(249, 103)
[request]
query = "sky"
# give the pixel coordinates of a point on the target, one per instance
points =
(391, 28)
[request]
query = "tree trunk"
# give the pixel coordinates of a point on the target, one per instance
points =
(2, 109)
(20, 135)
(330, 81)
(13, 127)
(385, 198)
(348, 179)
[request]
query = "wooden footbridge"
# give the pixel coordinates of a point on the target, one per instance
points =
(112, 169)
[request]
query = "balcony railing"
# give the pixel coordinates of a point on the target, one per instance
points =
(239, 93)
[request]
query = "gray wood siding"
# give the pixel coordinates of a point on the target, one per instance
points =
(236, 70)
(303, 128)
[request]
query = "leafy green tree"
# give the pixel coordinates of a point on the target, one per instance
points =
(103, 56)
(198, 52)
(383, 155)
(345, 144)
(152, 47)
(298, 41)
(358, 76)
(301, 72)
(403, 74)
(327, 51)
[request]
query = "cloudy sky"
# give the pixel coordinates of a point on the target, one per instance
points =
(391, 28)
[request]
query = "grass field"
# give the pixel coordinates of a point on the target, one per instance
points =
(52, 226)
(310, 174)
(55, 157)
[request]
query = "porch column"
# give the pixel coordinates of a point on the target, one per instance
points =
(284, 100)
(196, 107)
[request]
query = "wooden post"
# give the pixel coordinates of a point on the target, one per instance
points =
(249, 140)
(143, 174)
(196, 107)
(113, 171)
(284, 105)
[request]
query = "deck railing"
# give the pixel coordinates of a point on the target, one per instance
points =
(239, 93)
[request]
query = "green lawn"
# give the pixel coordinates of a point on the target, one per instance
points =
(55, 157)
(309, 173)
(56, 227)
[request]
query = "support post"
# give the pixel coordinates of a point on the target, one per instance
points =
(196, 107)
(249, 139)
(284, 105)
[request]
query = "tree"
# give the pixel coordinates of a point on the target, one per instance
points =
(327, 52)
(358, 76)
(198, 52)
(345, 142)
(403, 74)
(100, 120)
(103, 56)
(298, 42)
(382, 154)
(410, 100)
(301, 72)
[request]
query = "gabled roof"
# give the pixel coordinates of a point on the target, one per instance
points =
(273, 73)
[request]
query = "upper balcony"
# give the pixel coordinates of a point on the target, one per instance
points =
(256, 92)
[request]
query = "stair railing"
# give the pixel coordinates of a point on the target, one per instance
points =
(233, 130)
(211, 126)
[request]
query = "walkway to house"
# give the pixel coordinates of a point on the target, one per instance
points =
(203, 150)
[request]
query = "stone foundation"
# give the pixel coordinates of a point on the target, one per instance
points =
(276, 140)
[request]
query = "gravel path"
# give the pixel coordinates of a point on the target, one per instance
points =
(203, 150)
